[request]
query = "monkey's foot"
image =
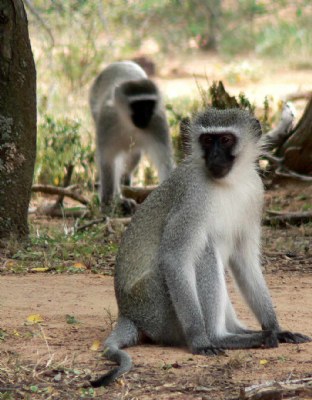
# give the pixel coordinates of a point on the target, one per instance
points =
(290, 337)
(119, 206)
(128, 206)
(209, 351)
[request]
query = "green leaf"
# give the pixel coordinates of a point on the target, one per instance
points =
(34, 388)
(70, 319)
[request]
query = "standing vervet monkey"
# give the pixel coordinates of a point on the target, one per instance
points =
(170, 270)
(130, 119)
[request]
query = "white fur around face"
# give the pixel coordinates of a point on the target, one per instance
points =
(217, 129)
(143, 96)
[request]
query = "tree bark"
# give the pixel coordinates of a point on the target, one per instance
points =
(17, 119)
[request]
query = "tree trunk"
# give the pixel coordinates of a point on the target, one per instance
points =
(297, 149)
(209, 41)
(17, 119)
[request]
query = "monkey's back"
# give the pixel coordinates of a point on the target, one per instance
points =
(140, 245)
(102, 89)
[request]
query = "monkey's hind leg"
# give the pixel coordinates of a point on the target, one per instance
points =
(131, 162)
(125, 334)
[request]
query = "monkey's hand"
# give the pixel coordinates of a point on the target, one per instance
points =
(290, 337)
(270, 339)
(208, 351)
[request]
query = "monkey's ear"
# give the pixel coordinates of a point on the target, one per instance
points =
(257, 128)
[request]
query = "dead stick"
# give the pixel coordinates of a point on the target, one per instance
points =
(295, 218)
(287, 173)
(276, 390)
(108, 221)
(49, 189)
(299, 95)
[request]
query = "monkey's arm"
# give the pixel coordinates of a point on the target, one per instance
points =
(247, 272)
(177, 266)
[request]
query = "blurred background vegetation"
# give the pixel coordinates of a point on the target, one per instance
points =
(73, 40)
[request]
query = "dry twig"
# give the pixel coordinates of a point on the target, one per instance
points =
(108, 222)
(273, 390)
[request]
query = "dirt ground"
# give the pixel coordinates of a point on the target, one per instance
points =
(59, 356)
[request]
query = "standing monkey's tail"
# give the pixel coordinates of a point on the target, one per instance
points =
(125, 334)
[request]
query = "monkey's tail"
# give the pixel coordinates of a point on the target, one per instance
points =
(125, 334)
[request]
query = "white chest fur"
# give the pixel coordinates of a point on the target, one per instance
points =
(234, 212)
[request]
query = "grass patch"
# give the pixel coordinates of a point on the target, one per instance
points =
(56, 248)
(20, 379)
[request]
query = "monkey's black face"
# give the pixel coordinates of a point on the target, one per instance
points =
(218, 152)
(142, 112)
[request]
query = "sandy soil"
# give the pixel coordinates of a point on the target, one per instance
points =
(162, 373)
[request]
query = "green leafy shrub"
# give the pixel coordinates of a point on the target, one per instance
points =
(60, 147)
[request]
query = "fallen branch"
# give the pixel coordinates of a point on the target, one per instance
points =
(57, 211)
(299, 95)
(293, 218)
(49, 189)
(284, 172)
(106, 220)
(273, 390)
(91, 223)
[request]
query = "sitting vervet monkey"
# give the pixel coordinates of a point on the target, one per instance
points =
(170, 270)
(130, 119)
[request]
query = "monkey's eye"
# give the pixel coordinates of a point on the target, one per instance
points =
(227, 140)
(205, 140)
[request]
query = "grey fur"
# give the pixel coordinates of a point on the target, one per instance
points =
(120, 143)
(169, 278)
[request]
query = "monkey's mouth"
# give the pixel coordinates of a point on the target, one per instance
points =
(217, 171)
(220, 173)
